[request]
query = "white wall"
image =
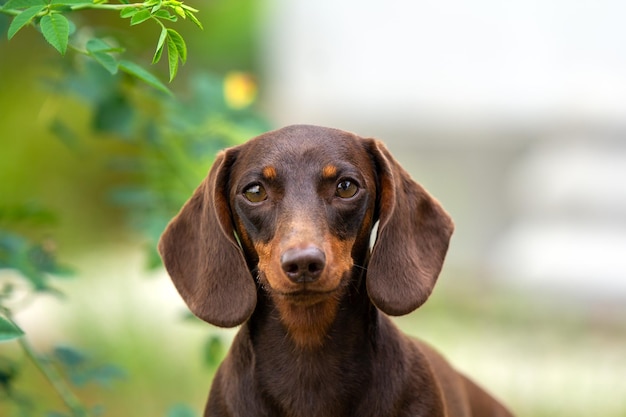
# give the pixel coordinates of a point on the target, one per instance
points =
(414, 61)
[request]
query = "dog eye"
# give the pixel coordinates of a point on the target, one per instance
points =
(255, 193)
(346, 189)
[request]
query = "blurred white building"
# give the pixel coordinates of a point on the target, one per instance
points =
(512, 113)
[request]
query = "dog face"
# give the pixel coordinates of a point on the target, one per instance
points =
(300, 202)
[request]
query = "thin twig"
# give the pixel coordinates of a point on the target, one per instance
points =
(56, 380)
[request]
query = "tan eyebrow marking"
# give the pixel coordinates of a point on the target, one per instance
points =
(269, 172)
(329, 172)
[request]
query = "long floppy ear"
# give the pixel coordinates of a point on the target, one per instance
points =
(413, 236)
(202, 257)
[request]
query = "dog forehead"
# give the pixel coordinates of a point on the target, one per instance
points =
(304, 146)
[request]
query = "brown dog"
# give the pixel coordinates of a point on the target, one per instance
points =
(277, 238)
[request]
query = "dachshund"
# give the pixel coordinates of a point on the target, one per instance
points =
(277, 239)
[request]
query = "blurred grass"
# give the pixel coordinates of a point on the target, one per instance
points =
(541, 355)
(125, 316)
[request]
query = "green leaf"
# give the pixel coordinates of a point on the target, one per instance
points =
(23, 19)
(187, 7)
(145, 76)
(106, 60)
(140, 16)
(114, 114)
(157, 55)
(23, 4)
(72, 29)
(103, 375)
(193, 18)
(9, 330)
(164, 14)
(172, 57)
(213, 351)
(69, 2)
(127, 12)
(180, 11)
(65, 134)
(81, 370)
(98, 45)
(31, 214)
(176, 50)
(99, 50)
(9, 371)
(159, 49)
(69, 356)
(180, 410)
(34, 261)
(4, 21)
(56, 30)
(178, 40)
(56, 414)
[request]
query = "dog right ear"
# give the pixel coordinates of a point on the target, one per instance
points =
(413, 236)
(202, 256)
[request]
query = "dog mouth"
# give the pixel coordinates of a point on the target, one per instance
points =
(305, 295)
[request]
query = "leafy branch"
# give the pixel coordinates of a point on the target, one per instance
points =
(166, 145)
(34, 263)
(170, 142)
(55, 379)
(49, 17)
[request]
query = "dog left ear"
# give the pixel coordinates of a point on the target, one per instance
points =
(202, 257)
(413, 236)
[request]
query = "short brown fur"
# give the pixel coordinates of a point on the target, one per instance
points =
(311, 296)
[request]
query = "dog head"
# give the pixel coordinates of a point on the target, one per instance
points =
(291, 212)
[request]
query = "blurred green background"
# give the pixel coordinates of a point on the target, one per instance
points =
(93, 166)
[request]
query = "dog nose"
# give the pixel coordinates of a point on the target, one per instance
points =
(303, 264)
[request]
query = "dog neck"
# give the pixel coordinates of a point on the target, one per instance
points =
(344, 349)
(311, 328)
(308, 325)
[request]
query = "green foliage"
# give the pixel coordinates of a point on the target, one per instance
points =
(34, 261)
(169, 142)
(213, 351)
(9, 330)
(102, 52)
(180, 410)
(26, 214)
(176, 51)
(50, 17)
(24, 19)
(65, 368)
(81, 370)
(166, 146)
(135, 70)
(56, 30)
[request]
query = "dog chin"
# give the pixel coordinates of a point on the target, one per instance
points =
(304, 297)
